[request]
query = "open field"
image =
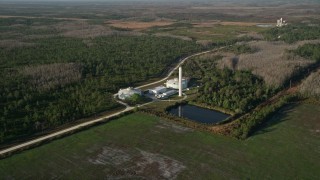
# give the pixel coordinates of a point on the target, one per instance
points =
(137, 25)
(231, 23)
(143, 146)
(246, 10)
(206, 31)
(271, 61)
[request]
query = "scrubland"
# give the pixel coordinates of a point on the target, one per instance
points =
(311, 86)
(271, 61)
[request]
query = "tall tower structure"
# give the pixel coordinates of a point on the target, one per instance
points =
(180, 81)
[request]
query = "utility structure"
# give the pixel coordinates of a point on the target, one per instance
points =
(180, 81)
(281, 22)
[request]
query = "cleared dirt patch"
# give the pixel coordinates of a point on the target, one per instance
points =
(137, 25)
(168, 168)
(174, 127)
(111, 156)
(122, 163)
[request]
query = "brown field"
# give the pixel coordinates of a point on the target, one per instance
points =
(35, 17)
(231, 7)
(240, 23)
(9, 43)
(173, 36)
(311, 86)
(270, 61)
(137, 25)
(214, 23)
(82, 29)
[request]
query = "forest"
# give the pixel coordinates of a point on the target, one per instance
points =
(238, 49)
(293, 33)
(310, 51)
(59, 80)
(310, 87)
(238, 91)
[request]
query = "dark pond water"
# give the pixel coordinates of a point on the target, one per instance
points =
(198, 114)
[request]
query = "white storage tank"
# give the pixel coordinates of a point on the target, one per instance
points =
(123, 94)
(174, 83)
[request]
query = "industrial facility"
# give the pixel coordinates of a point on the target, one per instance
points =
(174, 83)
(178, 83)
(167, 94)
(173, 86)
(124, 94)
(281, 22)
(158, 90)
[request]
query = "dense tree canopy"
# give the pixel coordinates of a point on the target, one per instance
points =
(293, 33)
(238, 91)
(58, 80)
(310, 51)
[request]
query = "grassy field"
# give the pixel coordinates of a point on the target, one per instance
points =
(143, 146)
(214, 33)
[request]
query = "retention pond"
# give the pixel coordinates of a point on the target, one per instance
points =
(198, 114)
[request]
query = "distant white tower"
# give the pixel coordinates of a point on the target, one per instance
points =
(180, 81)
(281, 22)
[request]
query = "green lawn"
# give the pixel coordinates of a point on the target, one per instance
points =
(140, 145)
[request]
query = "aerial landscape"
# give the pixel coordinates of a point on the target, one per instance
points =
(159, 89)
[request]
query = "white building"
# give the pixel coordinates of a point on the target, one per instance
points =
(123, 94)
(174, 83)
(158, 90)
(281, 22)
(167, 94)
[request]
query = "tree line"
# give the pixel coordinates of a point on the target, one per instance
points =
(293, 33)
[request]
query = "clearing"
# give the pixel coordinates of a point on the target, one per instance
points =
(225, 23)
(144, 146)
(138, 25)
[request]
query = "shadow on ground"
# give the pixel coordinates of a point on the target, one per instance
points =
(279, 117)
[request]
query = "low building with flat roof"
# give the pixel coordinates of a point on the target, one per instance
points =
(167, 94)
(158, 90)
